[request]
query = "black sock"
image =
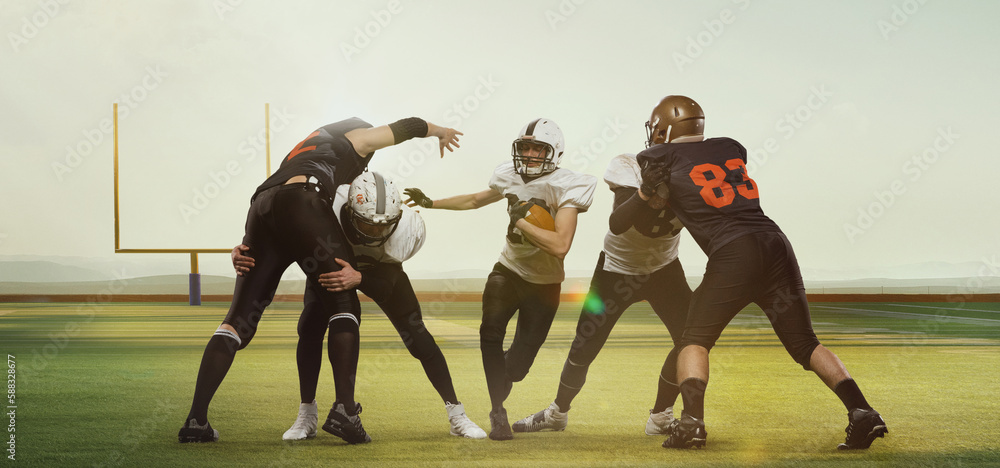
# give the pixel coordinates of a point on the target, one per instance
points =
(343, 348)
(436, 369)
(693, 393)
(309, 360)
(219, 355)
(667, 388)
(570, 383)
(496, 376)
(849, 393)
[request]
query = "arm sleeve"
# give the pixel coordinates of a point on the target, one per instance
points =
(628, 209)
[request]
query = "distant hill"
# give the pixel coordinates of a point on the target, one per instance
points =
(138, 274)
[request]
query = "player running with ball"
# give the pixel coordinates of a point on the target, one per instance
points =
(639, 262)
(749, 260)
(529, 274)
(383, 233)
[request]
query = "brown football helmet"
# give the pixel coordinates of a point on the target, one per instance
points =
(672, 118)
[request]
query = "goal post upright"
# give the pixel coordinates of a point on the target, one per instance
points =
(194, 277)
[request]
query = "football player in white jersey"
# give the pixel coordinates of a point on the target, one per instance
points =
(528, 276)
(383, 233)
(639, 262)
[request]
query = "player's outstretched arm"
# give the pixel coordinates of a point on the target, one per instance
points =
(555, 243)
(369, 140)
(468, 201)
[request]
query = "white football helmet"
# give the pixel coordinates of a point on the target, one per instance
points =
(375, 207)
(538, 148)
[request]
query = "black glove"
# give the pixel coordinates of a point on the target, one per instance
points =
(653, 175)
(519, 211)
(418, 197)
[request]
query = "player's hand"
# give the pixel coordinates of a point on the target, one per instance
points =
(242, 263)
(447, 137)
(343, 280)
(417, 197)
(652, 176)
(519, 211)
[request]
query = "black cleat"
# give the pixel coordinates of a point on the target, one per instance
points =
(687, 432)
(863, 427)
(192, 432)
(499, 426)
(345, 426)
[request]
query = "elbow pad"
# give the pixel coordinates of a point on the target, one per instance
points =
(411, 127)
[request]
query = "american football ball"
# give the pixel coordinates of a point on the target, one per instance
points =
(541, 218)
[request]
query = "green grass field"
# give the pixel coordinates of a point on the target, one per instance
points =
(110, 384)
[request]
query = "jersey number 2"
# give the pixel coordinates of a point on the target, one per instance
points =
(716, 191)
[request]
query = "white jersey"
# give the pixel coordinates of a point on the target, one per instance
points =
(559, 189)
(632, 253)
(404, 242)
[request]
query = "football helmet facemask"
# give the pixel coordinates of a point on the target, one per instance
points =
(375, 208)
(538, 148)
(672, 118)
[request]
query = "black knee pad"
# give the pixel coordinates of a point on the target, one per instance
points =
(802, 353)
(421, 345)
(245, 331)
(491, 334)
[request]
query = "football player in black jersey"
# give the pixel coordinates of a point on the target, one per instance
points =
(290, 220)
(749, 260)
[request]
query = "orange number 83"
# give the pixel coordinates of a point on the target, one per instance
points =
(716, 191)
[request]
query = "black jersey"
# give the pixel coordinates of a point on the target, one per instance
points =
(325, 154)
(710, 190)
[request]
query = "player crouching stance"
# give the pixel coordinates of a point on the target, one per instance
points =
(528, 276)
(383, 234)
(749, 260)
(639, 262)
(290, 221)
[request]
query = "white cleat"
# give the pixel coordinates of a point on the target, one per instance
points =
(659, 423)
(305, 425)
(548, 418)
(461, 425)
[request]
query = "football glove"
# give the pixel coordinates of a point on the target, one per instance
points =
(519, 211)
(652, 176)
(418, 197)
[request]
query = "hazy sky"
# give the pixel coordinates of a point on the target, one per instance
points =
(869, 121)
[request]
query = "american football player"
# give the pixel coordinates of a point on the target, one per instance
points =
(290, 220)
(383, 233)
(638, 262)
(749, 260)
(529, 273)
